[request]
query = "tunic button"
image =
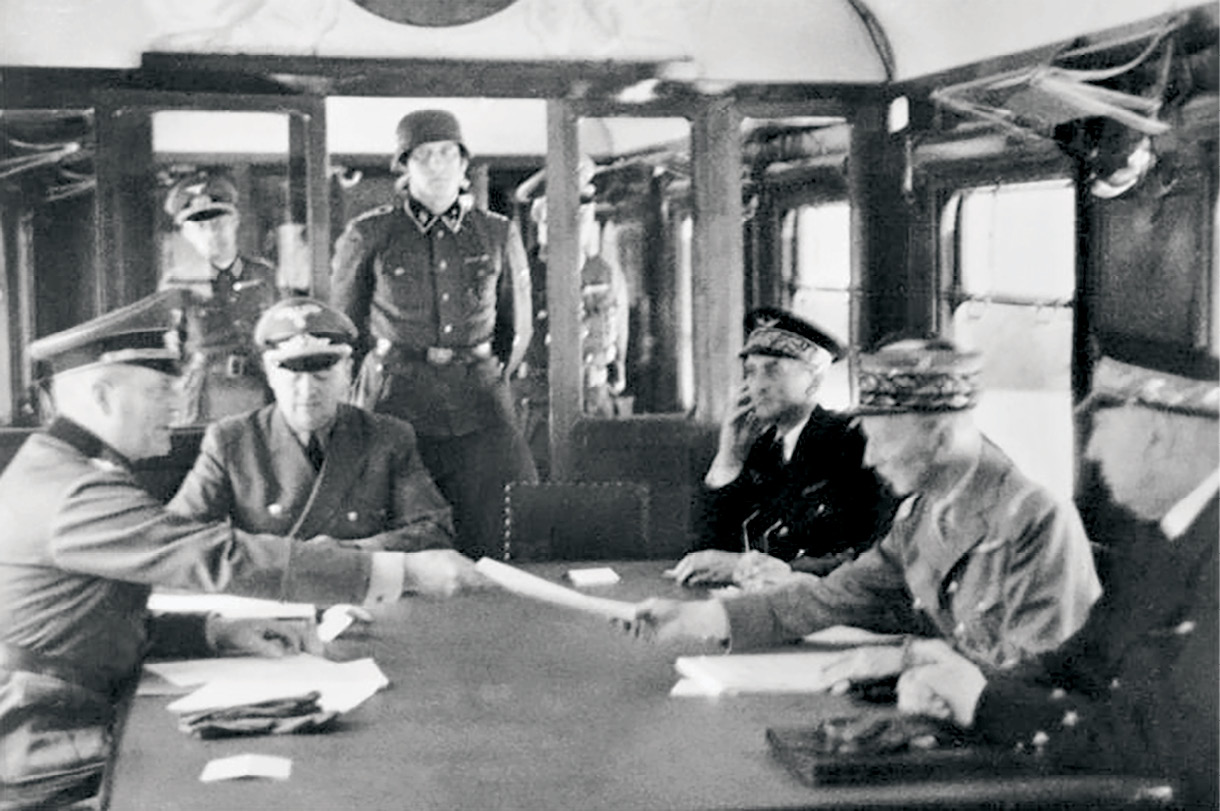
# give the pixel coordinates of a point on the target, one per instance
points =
(444, 296)
(952, 587)
(352, 516)
(399, 271)
(275, 510)
(1058, 694)
(1115, 684)
(441, 265)
(1040, 739)
(959, 630)
(440, 234)
(1071, 718)
(1184, 628)
(917, 604)
(448, 328)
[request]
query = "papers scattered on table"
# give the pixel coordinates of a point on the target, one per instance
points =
(228, 605)
(600, 576)
(238, 766)
(846, 636)
(528, 585)
(238, 681)
(797, 672)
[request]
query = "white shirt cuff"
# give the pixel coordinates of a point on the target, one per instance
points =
(385, 578)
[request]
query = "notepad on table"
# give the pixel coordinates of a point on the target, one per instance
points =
(797, 672)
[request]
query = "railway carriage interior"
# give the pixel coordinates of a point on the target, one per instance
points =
(1037, 181)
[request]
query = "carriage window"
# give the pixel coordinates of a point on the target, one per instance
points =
(817, 269)
(1012, 299)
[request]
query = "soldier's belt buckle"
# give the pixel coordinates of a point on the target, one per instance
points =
(236, 365)
(439, 355)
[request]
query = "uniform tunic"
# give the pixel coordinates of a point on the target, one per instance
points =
(822, 506)
(372, 486)
(83, 546)
(996, 567)
(1136, 689)
(224, 375)
(443, 305)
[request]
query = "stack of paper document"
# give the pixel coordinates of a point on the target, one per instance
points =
(796, 672)
(228, 605)
(238, 681)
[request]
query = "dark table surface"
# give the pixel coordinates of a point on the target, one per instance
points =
(498, 702)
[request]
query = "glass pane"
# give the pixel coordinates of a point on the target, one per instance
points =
(1026, 404)
(831, 311)
(823, 246)
(1016, 241)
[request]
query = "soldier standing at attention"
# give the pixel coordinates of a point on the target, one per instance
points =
(441, 294)
(223, 374)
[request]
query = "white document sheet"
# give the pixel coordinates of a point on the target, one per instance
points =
(239, 766)
(538, 588)
(249, 680)
(798, 672)
(228, 605)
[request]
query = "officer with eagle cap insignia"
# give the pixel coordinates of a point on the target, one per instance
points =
(440, 291)
(310, 464)
(787, 487)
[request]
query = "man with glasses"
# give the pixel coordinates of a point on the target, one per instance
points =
(440, 292)
(310, 465)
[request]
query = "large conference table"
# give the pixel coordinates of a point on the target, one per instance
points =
(500, 702)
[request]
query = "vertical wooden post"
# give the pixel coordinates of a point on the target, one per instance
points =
(718, 277)
(563, 282)
(126, 266)
(307, 144)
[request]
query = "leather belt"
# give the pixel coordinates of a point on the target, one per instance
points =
(435, 355)
(14, 658)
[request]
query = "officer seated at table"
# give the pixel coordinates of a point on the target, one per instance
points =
(310, 465)
(84, 544)
(787, 486)
(1135, 690)
(979, 558)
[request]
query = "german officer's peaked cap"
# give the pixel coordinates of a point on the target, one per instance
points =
(776, 332)
(918, 375)
(304, 334)
(201, 197)
(146, 333)
(426, 126)
(1119, 383)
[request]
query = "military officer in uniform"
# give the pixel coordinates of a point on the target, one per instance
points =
(84, 544)
(978, 558)
(787, 486)
(223, 375)
(310, 464)
(1136, 689)
(441, 293)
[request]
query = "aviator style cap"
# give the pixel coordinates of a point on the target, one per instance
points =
(918, 375)
(145, 333)
(775, 332)
(425, 126)
(1117, 383)
(304, 334)
(201, 197)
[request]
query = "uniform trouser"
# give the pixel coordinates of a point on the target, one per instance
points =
(471, 471)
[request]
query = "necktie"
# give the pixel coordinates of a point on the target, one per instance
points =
(313, 451)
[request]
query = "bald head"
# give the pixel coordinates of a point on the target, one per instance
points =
(128, 407)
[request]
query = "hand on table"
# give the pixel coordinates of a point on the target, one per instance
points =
(440, 573)
(660, 620)
(262, 637)
(949, 690)
(872, 662)
(711, 566)
(756, 571)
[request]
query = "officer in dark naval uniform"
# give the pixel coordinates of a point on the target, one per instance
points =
(1136, 688)
(788, 481)
(223, 375)
(441, 293)
(84, 545)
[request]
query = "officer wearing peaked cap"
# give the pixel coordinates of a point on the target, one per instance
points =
(311, 465)
(1136, 689)
(222, 375)
(979, 559)
(440, 292)
(787, 485)
(85, 543)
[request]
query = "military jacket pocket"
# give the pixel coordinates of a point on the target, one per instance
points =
(479, 279)
(52, 729)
